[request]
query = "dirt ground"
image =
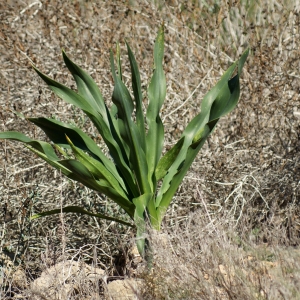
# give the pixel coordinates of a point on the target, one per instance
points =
(242, 191)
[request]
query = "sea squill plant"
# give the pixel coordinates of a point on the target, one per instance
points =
(130, 176)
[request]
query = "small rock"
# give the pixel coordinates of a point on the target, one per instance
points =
(58, 282)
(19, 279)
(127, 289)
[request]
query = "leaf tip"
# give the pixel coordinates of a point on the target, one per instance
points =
(68, 140)
(36, 216)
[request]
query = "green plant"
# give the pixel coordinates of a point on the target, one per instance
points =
(131, 178)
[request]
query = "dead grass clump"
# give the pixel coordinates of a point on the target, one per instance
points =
(205, 259)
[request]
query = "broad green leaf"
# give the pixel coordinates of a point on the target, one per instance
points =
(107, 132)
(119, 128)
(156, 95)
(81, 174)
(118, 151)
(152, 213)
(119, 66)
(138, 97)
(201, 134)
(225, 93)
(68, 95)
(87, 88)
(98, 170)
(167, 160)
(65, 154)
(114, 117)
(42, 149)
(77, 209)
(124, 105)
(72, 169)
(122, 99)
(220, 107)
(177, 178)
(141, 203)
(57, 131)
(40, 146)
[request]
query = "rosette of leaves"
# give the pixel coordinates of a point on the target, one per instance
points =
(130, 176)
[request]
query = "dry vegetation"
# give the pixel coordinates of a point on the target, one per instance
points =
(232, 231)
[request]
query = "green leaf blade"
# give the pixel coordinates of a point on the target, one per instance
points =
(42, 149)
(67, 94)
(107, 131)
(168, 159)
(98, 170)
(141, 203)
(137, 90)
(82, 174)
(80, 210)
(220, 100)
(57, 131)
(86, 86)
(130, 133)
(156, 96)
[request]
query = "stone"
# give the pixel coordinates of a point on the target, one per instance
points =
(127, 289)
(58, 282)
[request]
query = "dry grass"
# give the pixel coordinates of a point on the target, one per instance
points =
(238, 206)
(208, 260)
